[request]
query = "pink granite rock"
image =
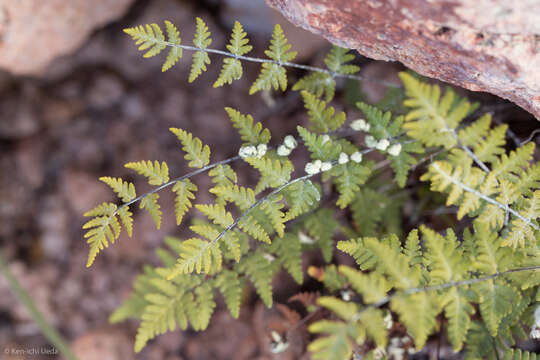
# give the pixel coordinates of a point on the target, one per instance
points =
(481, 45)
(34, 32)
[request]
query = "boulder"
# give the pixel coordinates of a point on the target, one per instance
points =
(481, 45)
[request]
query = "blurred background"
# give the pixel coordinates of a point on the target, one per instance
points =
(77, 101)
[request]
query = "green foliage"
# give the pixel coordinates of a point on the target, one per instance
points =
(479, 285)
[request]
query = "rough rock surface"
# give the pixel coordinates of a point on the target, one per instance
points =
(34, 32)
(481, 45)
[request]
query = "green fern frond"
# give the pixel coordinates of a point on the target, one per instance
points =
(458, 310)
(250, 133)
(103, 228)
(445, 261)
(175, 53)
(348, 178)
(148, 37)
(197, 154)
(508, 166)
(157, 174)
(337, 344)
(274, 173)
(321, 226)
(272, 208)
(200, 58)
(251, 226)
(184, 190)
(301, 197)
(322, 118)
(519, 354)
(412, 249)
(288, 251)
(320, 147)
(337, 60)
(260, 272)
(150, 204)
(318, 84)
(124, 189)
(496, 300)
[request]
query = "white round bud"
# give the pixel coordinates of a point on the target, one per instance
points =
(283, 150)
(370, 141)
(382, 145)
(325, 166)
(394, 150)
(356, 157)
(290, 142)
(343, 158)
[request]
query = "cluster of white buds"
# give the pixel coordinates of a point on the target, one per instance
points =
(535, 330)
(289, 144)
(317, 166)
(360, 125)
(383, 145)
(356, 157)
(252, 151)
(278, 344)
(388, 322)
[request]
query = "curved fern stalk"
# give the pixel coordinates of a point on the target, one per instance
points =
(148, 36)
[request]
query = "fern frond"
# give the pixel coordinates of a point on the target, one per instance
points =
(150, 204)
(274, 75)
(241, 196)
(301, 197)
(318, 84)
(157, 174)
(223, 175)
(232, 67)
(103, 228)
(230, 286)
(348, 178)
(446, 262)
(288, 250)
(272, 208)
(200, 58)
(216, 213)
(496, 300)
(320, 147)
(184, 190)
(322, 118)
(274, 173)
(124, 189)
(148, 37)
(518, 354)
(197, 154)
(321, 225)
(251, 226)
(126, 217)
(458, 310)
(260, 271)
(337, 60)
(433, 119)
(197, 255)
(373, 286)
(337, 344)
(418, 313)
(175, 53)
(250, 133)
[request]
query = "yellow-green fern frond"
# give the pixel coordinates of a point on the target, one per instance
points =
(184, 190)
(496, 300)
(322, 118)
(432, 119)
(301, 197)
(373, 286)
(445, 261)
(348, 178)
(149, 37)
(103, 228)
(518, 354)
(197, 255)
(250, 133)
(260, 271)
(337, 344)
(197, 154)
(274, 173)
(288, 251)
(126, 217)
(320, 147)
(216, 213)
(251, 226)
(458, 310)
(272, 208)
(230, 286)
(318, 84)
(337, 60)
(150, 204)
(274, 75)
(241, 196)
(200, 58)
(175, 53)
(157, 174)
(232, 67)
(124, 189)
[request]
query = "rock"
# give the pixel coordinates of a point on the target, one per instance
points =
(107, 343)
(34, 32)
(487, 45)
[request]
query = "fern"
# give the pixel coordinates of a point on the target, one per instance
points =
(273, 75)
(482, 283)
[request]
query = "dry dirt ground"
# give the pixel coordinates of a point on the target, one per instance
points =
(90, 113)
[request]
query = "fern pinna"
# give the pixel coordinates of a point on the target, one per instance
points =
(482, 283)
